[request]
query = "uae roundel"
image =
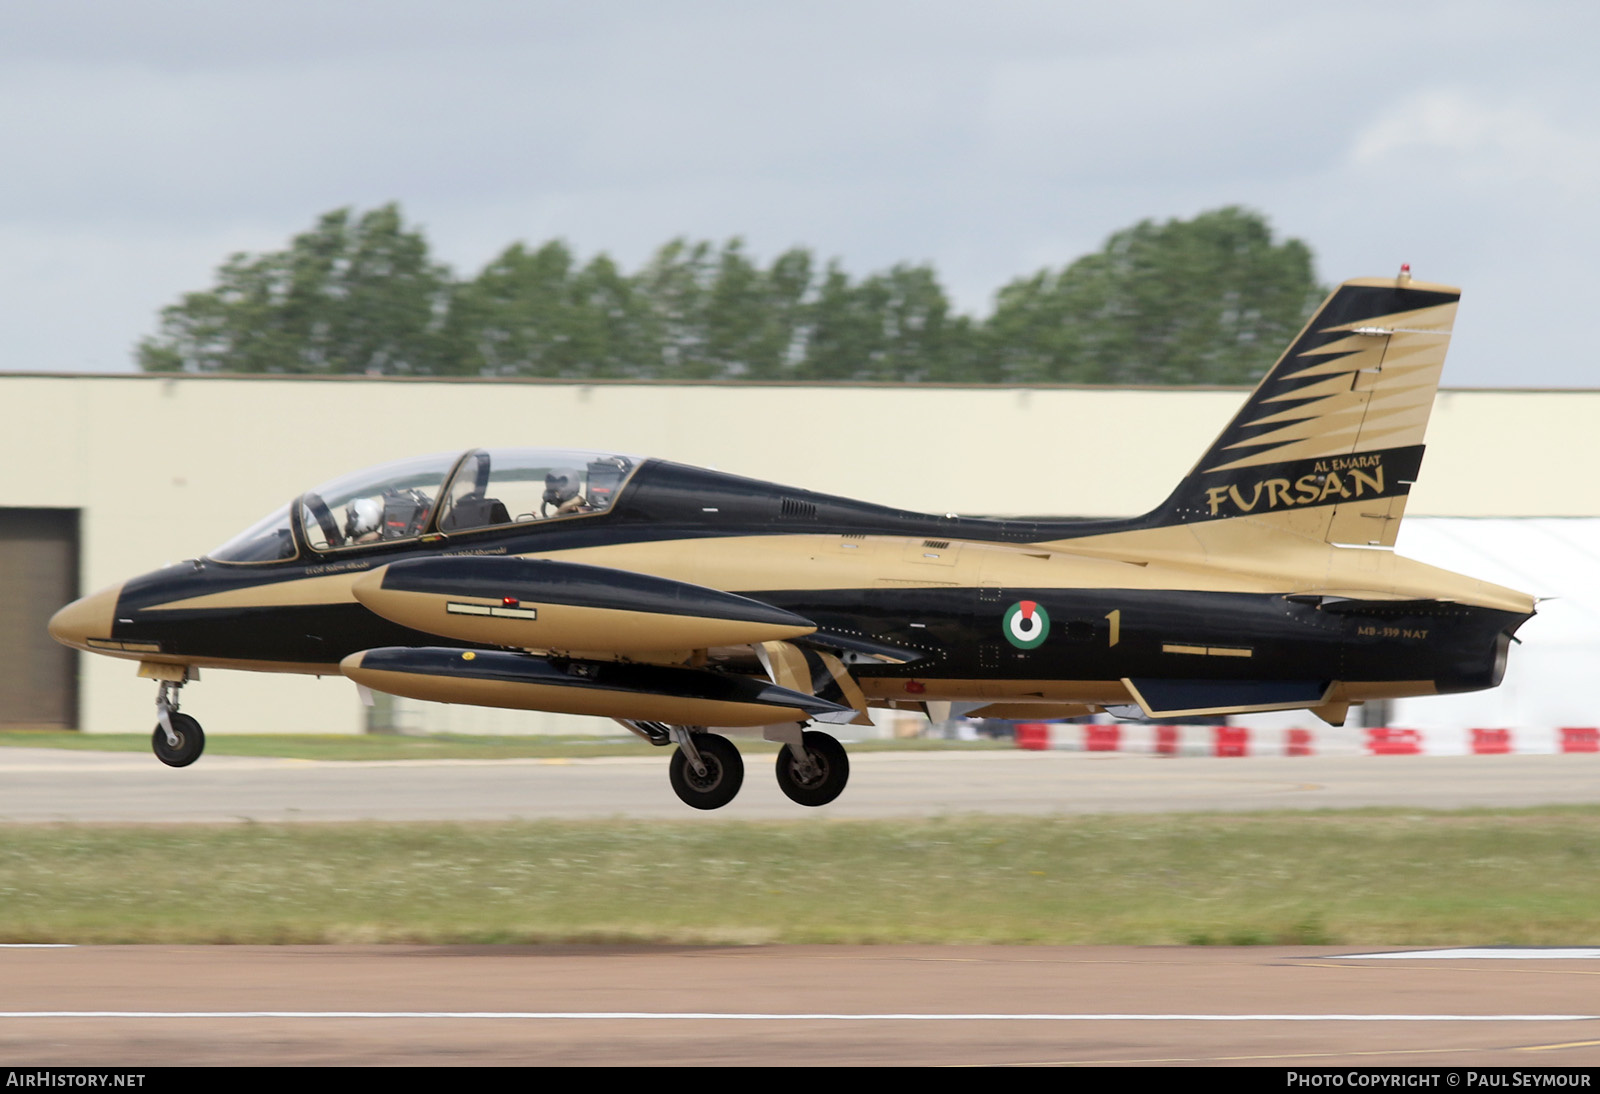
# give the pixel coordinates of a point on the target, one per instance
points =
(1026, 624)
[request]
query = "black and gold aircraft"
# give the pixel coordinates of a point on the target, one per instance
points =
(674, 599)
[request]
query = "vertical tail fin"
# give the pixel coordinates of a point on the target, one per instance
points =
(1330, 441)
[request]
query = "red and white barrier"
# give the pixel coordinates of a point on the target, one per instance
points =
(1580, 738)
(1165, 740)
(1228, 741)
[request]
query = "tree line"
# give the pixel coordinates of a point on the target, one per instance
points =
(1209, 300)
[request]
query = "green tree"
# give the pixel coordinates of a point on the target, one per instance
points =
(693, 311)
(516, 317)
(845, 332)
(616, 335)
(786, 289)
(922, 339)
(675, 285)
(719, 315)
(537, 313)
(744, 319)
(892, 326)
(1208, 300)
(354, 294)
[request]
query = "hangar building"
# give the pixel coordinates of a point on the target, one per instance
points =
(111, 475)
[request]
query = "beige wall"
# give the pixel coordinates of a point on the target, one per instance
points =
(165, 468)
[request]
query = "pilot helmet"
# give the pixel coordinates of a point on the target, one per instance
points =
(361, 517)
(561, 484)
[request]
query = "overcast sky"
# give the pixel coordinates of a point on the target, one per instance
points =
(142, 141)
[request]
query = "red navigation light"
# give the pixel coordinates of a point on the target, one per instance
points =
(509, 601)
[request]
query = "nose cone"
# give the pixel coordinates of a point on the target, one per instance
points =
(84, 619)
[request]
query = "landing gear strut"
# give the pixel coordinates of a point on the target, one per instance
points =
(816, 773)
(178, 739)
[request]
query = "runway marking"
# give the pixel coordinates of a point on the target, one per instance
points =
(722, 1016)
(1506, 953)
(1226, 1059)
(37, 946)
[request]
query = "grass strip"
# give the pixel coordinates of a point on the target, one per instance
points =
(329, 746)
(1365, 878)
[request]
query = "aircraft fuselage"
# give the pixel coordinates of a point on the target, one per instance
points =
(921, 599)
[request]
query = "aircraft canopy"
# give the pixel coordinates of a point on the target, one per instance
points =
(442, 493)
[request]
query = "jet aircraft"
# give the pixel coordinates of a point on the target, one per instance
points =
(676, 599)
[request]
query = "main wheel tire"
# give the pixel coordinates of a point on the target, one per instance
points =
(724, 773)
(827, 782)
(191, 742)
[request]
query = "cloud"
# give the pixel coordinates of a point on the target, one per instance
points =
(1481, 140)
(145, 139)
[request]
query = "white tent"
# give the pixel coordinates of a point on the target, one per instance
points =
(1553, 674)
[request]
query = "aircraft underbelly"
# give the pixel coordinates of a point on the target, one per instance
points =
(1081, 644)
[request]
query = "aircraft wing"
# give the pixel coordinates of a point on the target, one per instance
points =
(577, 626)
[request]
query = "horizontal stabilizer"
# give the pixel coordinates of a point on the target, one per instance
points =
(1432, 606)
(1182, 698)
(609, 689)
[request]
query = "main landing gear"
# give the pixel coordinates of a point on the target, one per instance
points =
(707, 771)
(815, 773)
(178, 739)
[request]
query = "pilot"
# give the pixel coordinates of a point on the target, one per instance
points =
(563, 494)
(362, 518)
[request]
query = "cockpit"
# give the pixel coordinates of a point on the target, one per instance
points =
(444, 493)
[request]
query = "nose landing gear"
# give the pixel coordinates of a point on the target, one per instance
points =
(178, 739)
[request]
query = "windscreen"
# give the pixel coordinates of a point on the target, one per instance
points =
(267, 540)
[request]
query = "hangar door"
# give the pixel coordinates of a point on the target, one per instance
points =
(38, 574)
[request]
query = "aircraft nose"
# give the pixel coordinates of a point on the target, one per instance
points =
(84, 619)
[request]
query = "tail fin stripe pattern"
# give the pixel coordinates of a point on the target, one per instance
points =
(1393, 360)
(1338, 420)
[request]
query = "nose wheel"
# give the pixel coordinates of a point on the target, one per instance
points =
(817, 774)
(178, 739)
(191, 741)
(706, 769)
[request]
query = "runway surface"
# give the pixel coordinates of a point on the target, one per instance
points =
(43, 785)
(128, 1007)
